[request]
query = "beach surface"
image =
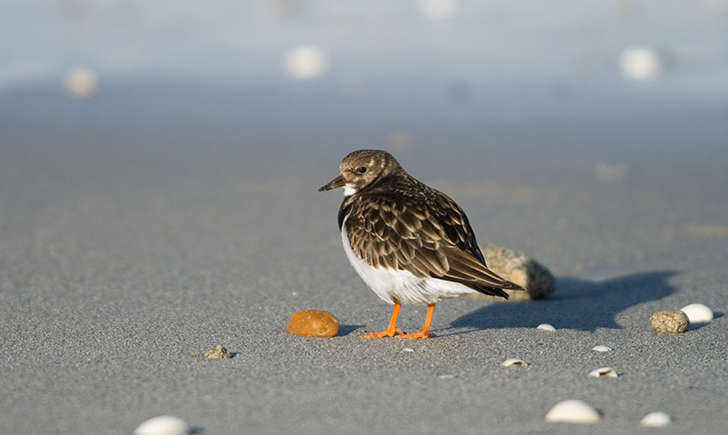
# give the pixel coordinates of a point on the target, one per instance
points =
(127, 250)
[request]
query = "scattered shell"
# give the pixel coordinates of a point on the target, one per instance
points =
(81, 82)
(602, 348)
(313, 323)
(669, 322)
(436, 10)
(546, 327)
(573, 411)
(447, 376)
(408, 349)
(218, 352)
(640, 63)
(514, 362)
(608, 173)
(698, 313)
(305, 62)
(518, 267)
(603, 372)
(656, 419)
(163, 425)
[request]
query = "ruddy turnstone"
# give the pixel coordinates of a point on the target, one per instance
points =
(409, 242)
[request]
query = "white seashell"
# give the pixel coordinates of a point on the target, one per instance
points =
(408, 349)
(698, 313)
(640, 63)
(601, 348)
(447, 376)
(546, 327)
(163, 425)
(572, 411)
(305, 62)
(81, 82)
(514, 362)
(436, 10)
(603, 372)
(656, 419)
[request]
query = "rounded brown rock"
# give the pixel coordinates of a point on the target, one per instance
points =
(313, 323)
(521, 269)
(669, 322)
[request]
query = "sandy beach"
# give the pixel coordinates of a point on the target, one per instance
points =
(158, 173)
(119, 267)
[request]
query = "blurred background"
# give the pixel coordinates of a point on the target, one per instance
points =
(547, 105)
(516, 88)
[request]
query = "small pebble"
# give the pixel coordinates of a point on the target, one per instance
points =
(656, 419)
(669, 322)
(313, 323)
(546, 327)
(603, 372)
(698, 313)
(601, 348)
(163, 425)
(573, 411)
(447, 376)
(408, 349)
(217, 352)
(514, 362)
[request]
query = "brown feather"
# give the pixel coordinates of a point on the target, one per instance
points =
(399, 223)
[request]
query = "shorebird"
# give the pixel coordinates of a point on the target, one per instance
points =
(410, 243)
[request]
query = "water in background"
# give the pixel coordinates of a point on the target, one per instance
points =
(604, 91)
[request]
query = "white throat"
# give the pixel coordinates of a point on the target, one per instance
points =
(349, 189)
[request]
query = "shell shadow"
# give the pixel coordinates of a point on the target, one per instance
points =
(577, 304)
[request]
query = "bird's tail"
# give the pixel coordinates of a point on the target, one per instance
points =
(498, 291)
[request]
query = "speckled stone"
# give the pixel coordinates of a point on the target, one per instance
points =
(218, 352)
(669, 322)
(521, 269)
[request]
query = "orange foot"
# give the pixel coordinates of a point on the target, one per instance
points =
(421, 334)
(386, 333)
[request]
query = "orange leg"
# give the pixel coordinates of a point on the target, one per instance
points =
(391, 330)
(425, 331)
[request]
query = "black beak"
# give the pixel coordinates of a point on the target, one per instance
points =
(333, 184)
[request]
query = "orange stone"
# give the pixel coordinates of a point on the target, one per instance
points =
(313, 323)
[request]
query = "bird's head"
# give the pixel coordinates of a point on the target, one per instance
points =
(360, 169)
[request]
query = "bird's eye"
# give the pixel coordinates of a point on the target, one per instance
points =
(361, 170)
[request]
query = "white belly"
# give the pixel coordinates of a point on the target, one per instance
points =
(401, 285)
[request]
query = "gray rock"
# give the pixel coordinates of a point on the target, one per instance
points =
(521, 269)
(669, 322)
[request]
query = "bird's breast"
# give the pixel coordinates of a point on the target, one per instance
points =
(399, 285)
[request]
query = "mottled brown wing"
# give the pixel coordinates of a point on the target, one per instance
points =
(429, 237)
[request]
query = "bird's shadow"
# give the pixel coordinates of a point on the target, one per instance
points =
(577, 304)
